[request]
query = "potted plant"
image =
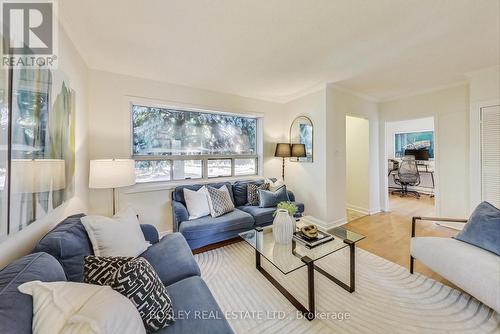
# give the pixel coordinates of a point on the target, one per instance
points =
(288, 206)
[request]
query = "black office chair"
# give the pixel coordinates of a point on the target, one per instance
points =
(407, 175)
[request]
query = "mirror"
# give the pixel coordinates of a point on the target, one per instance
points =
(301, 132)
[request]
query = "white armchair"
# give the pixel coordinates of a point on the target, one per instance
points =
(473, 269)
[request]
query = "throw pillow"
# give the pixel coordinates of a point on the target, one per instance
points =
(483, 228)
(139, 282)
(197, 202)
(68, 307)
(99, 270)
(219, 201)
(253, 192)
(269, 199)
(117, 236)
(275, 185)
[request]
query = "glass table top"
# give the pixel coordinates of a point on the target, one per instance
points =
(288, 258)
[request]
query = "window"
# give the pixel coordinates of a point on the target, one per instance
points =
(172, 144)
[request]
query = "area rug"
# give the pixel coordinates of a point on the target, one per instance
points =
(388, 299)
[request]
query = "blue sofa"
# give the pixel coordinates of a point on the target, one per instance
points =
(59, 256)
(207, 230)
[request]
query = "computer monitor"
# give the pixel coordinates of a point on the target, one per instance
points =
(418, 154)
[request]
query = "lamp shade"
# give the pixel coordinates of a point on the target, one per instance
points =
(111, 173)
(37, 175)
(283, 150)
(299, 150)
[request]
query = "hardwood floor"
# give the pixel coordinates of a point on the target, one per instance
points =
(353, 215)
(388, 234)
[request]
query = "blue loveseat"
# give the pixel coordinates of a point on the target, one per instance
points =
(59, 256)
(207, 230)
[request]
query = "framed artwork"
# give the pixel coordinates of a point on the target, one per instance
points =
(37, 152)
(413, 141)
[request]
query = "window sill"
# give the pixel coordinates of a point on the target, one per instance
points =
(170, 185)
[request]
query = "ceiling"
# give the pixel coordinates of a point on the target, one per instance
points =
(279, 49)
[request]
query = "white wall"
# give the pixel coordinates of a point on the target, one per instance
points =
(75, 70)
(449, 107)
(308, 179)
(342, 103)
(484, 91)
(321, 185)
(358, 164)
(110, 136)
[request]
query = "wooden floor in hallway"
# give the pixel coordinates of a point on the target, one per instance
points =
(388, 233)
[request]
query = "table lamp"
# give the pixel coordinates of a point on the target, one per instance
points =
(111, 173)
(299, 151)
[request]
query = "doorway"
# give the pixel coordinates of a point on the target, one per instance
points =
(357, 167)
(410, 160)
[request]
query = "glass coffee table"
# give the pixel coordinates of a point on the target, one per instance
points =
(288, 258)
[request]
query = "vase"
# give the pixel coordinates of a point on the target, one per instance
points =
(283, 227)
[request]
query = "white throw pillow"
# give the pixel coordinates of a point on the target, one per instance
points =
(117, 236)
(197, 202)
(273, 186)
(74, 308)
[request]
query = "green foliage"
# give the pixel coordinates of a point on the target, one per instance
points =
(159, 131)
(289, 206)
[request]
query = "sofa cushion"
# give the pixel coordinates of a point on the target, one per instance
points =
(483, 228)
(172, 259)
(69, 243)
(195, 309)
(269, 199)
(471, 268)
(240, 191)
(178, 193)
(264, 216)
(205, 226)
(16, 308)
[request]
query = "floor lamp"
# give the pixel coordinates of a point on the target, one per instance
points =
(111, 174)
(283, 150)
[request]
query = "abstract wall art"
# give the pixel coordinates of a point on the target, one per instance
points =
(37, 146)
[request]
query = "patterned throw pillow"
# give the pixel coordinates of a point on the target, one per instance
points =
(253, 192)
(99, 270)
(137, 280)
(219, 201)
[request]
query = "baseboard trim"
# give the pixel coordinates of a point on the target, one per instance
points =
(336, 223)
(358, 209)
(364, 211)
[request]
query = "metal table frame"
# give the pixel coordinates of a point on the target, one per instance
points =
(309, 312)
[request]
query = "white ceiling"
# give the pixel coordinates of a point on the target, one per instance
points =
(279, 49)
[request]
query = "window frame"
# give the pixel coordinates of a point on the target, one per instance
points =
(203, 157)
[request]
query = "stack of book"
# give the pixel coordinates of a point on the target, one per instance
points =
(321, 238)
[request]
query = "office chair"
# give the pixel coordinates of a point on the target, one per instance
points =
(407, 175)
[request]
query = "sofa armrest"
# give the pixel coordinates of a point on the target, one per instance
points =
(150, 233)
(291, 196)
(179, 214)
(415, 219)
